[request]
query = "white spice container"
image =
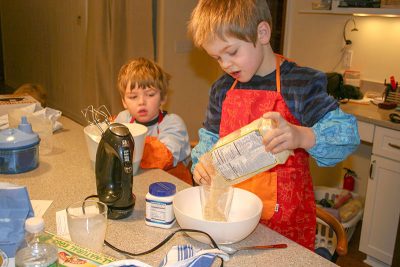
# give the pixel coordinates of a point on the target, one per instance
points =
(159, 210)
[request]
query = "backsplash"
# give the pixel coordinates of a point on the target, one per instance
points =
(316, 40)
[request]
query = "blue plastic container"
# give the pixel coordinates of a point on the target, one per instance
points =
(19, 149)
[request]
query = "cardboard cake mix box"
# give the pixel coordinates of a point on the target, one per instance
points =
(73, 255)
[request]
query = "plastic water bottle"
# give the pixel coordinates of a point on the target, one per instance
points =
(35, 253)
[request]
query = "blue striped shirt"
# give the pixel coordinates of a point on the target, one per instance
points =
(302, 88)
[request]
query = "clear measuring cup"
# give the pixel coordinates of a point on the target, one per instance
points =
(44, 128)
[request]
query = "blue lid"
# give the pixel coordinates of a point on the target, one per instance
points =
(24, 125)
(22, 137)
(162, 189)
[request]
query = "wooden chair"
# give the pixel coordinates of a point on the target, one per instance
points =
(338, 229)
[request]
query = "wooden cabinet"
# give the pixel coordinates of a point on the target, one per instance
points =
(381, 211)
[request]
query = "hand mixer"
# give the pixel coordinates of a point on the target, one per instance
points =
(114, 177)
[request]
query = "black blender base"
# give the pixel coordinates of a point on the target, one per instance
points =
(119, 213)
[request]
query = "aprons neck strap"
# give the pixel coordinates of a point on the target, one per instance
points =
(278, 60)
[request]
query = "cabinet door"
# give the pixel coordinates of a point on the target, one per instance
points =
(381, 211)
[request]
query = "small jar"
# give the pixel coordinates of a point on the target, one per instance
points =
(159, 210)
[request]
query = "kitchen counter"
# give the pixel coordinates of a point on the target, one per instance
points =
(65, 175)
(370, 113)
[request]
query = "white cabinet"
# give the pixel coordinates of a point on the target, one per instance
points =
(381, 212)
(366, 131)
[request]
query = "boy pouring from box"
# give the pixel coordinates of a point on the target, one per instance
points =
(259, 83)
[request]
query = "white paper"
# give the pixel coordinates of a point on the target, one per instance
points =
(62, 224)
(40, 206)
(11, 262)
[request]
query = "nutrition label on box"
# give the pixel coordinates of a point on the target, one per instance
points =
(242, 156)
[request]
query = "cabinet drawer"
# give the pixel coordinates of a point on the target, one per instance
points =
(366, 131)
(386, 143)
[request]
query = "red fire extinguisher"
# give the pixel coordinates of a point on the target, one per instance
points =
(349, 179)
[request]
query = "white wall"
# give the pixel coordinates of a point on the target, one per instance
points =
(316, 40)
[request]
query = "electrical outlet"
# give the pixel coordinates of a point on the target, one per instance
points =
(348, 58)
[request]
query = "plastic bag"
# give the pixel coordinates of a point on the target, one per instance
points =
(236, 158)
(15, 208)
(216, 202)
(349, 210)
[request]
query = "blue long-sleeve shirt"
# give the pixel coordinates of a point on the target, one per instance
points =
(304, 92)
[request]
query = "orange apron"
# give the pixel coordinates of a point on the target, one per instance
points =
(156, 155)
(286, 190)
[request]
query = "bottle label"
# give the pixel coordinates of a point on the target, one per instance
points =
(159, 212)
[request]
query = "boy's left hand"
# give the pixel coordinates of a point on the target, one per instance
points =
(286, 135)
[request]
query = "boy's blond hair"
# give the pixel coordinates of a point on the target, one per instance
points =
(35, 90)
(233, 18)
(142, 73)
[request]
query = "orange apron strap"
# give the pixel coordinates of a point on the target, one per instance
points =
(265, 186)
(284, 58)
(233, 85)
(278, 59)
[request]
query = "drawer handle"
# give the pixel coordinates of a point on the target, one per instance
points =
(370, 169)
(394, 146)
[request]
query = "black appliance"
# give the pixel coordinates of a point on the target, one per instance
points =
(114, 177)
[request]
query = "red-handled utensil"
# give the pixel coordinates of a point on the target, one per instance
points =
(232, 251)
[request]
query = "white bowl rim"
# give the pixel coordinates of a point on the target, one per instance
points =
(141, 130)
(219, 222)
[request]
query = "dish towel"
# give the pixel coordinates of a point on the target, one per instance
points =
(179, 256)
(188, 256)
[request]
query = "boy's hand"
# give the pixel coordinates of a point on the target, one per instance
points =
(286, 135)
(201, 175)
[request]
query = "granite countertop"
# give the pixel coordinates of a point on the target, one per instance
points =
(65, 175)
(370, 113)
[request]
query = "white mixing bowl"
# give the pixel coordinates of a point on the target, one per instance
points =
(243, 218)
(138, 132)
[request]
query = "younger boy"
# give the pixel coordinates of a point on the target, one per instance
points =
(259, 83)
(143, 87)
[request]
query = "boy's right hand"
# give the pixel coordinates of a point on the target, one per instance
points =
(286, 135)
(201, 175)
